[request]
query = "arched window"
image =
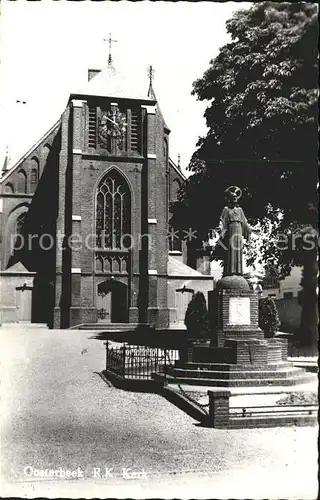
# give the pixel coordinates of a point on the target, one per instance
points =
(34, 174)
(175, 239)
(113, 212)
(22, 182)
(20, 222)
(175, 190)
(8, 189)
(44, 153)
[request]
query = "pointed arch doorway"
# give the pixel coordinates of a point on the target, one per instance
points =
(112, 302)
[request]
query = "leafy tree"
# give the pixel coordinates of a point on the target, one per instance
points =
(262, 119)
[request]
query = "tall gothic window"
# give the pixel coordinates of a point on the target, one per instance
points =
(113, 215)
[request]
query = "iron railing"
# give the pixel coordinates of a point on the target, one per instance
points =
(139, 362)
(274, 410)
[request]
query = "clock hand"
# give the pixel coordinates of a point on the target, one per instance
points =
(112, 121)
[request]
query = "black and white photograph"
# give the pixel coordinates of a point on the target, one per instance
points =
(159, 249)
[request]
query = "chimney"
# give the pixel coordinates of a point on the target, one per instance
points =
(92, 73)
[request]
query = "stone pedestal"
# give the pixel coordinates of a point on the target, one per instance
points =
(236, 310)
(237, 321)
(239, 355)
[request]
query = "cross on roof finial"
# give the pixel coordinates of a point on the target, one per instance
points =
(110, 41)
(151, 72)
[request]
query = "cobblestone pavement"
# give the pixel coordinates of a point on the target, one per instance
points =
(56, 411)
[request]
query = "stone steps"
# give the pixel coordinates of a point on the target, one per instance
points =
(227, 367)
(240, 382)
(237, 374)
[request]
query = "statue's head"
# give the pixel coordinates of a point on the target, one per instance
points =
(233, 194)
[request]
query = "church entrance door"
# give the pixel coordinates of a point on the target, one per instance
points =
(112, 302)
(183, 297)
(24, 302)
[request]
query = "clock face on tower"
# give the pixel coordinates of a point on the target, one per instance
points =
(112, 125)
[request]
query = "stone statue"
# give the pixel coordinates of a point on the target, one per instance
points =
(233, 227)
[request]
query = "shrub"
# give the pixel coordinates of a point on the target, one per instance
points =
(196, 317)
(269, 320)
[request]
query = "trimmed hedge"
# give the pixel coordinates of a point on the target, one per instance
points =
(196, 317)
(269, 320)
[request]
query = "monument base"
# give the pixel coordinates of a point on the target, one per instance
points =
(239, 355)
(234, 311)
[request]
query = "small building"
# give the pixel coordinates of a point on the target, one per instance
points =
(286, 294)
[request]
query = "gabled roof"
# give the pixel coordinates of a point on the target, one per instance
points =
(18, 268)
(178, 268)
(29, 152)
(111, 83)
(177, 169)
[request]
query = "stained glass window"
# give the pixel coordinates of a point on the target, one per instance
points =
(113, 211)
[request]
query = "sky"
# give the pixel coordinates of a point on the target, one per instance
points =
(47, 47)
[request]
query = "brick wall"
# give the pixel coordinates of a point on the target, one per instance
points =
(249, 352)
(219, 409)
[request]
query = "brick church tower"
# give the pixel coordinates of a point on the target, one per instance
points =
(113, 196)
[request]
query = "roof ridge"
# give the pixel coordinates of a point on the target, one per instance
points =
(114, 83)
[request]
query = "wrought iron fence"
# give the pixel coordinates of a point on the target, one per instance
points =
(139, 362)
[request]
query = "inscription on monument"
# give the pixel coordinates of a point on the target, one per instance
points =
(239, 311)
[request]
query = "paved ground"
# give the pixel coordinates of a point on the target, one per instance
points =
(58, 412)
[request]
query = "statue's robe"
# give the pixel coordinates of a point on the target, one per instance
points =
(233, 228)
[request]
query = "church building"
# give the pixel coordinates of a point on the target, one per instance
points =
(85, 217)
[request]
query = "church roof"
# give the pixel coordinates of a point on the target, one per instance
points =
(18, 268)
(8, 173)
(111, 83)
(177, 169)
(178, 268)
